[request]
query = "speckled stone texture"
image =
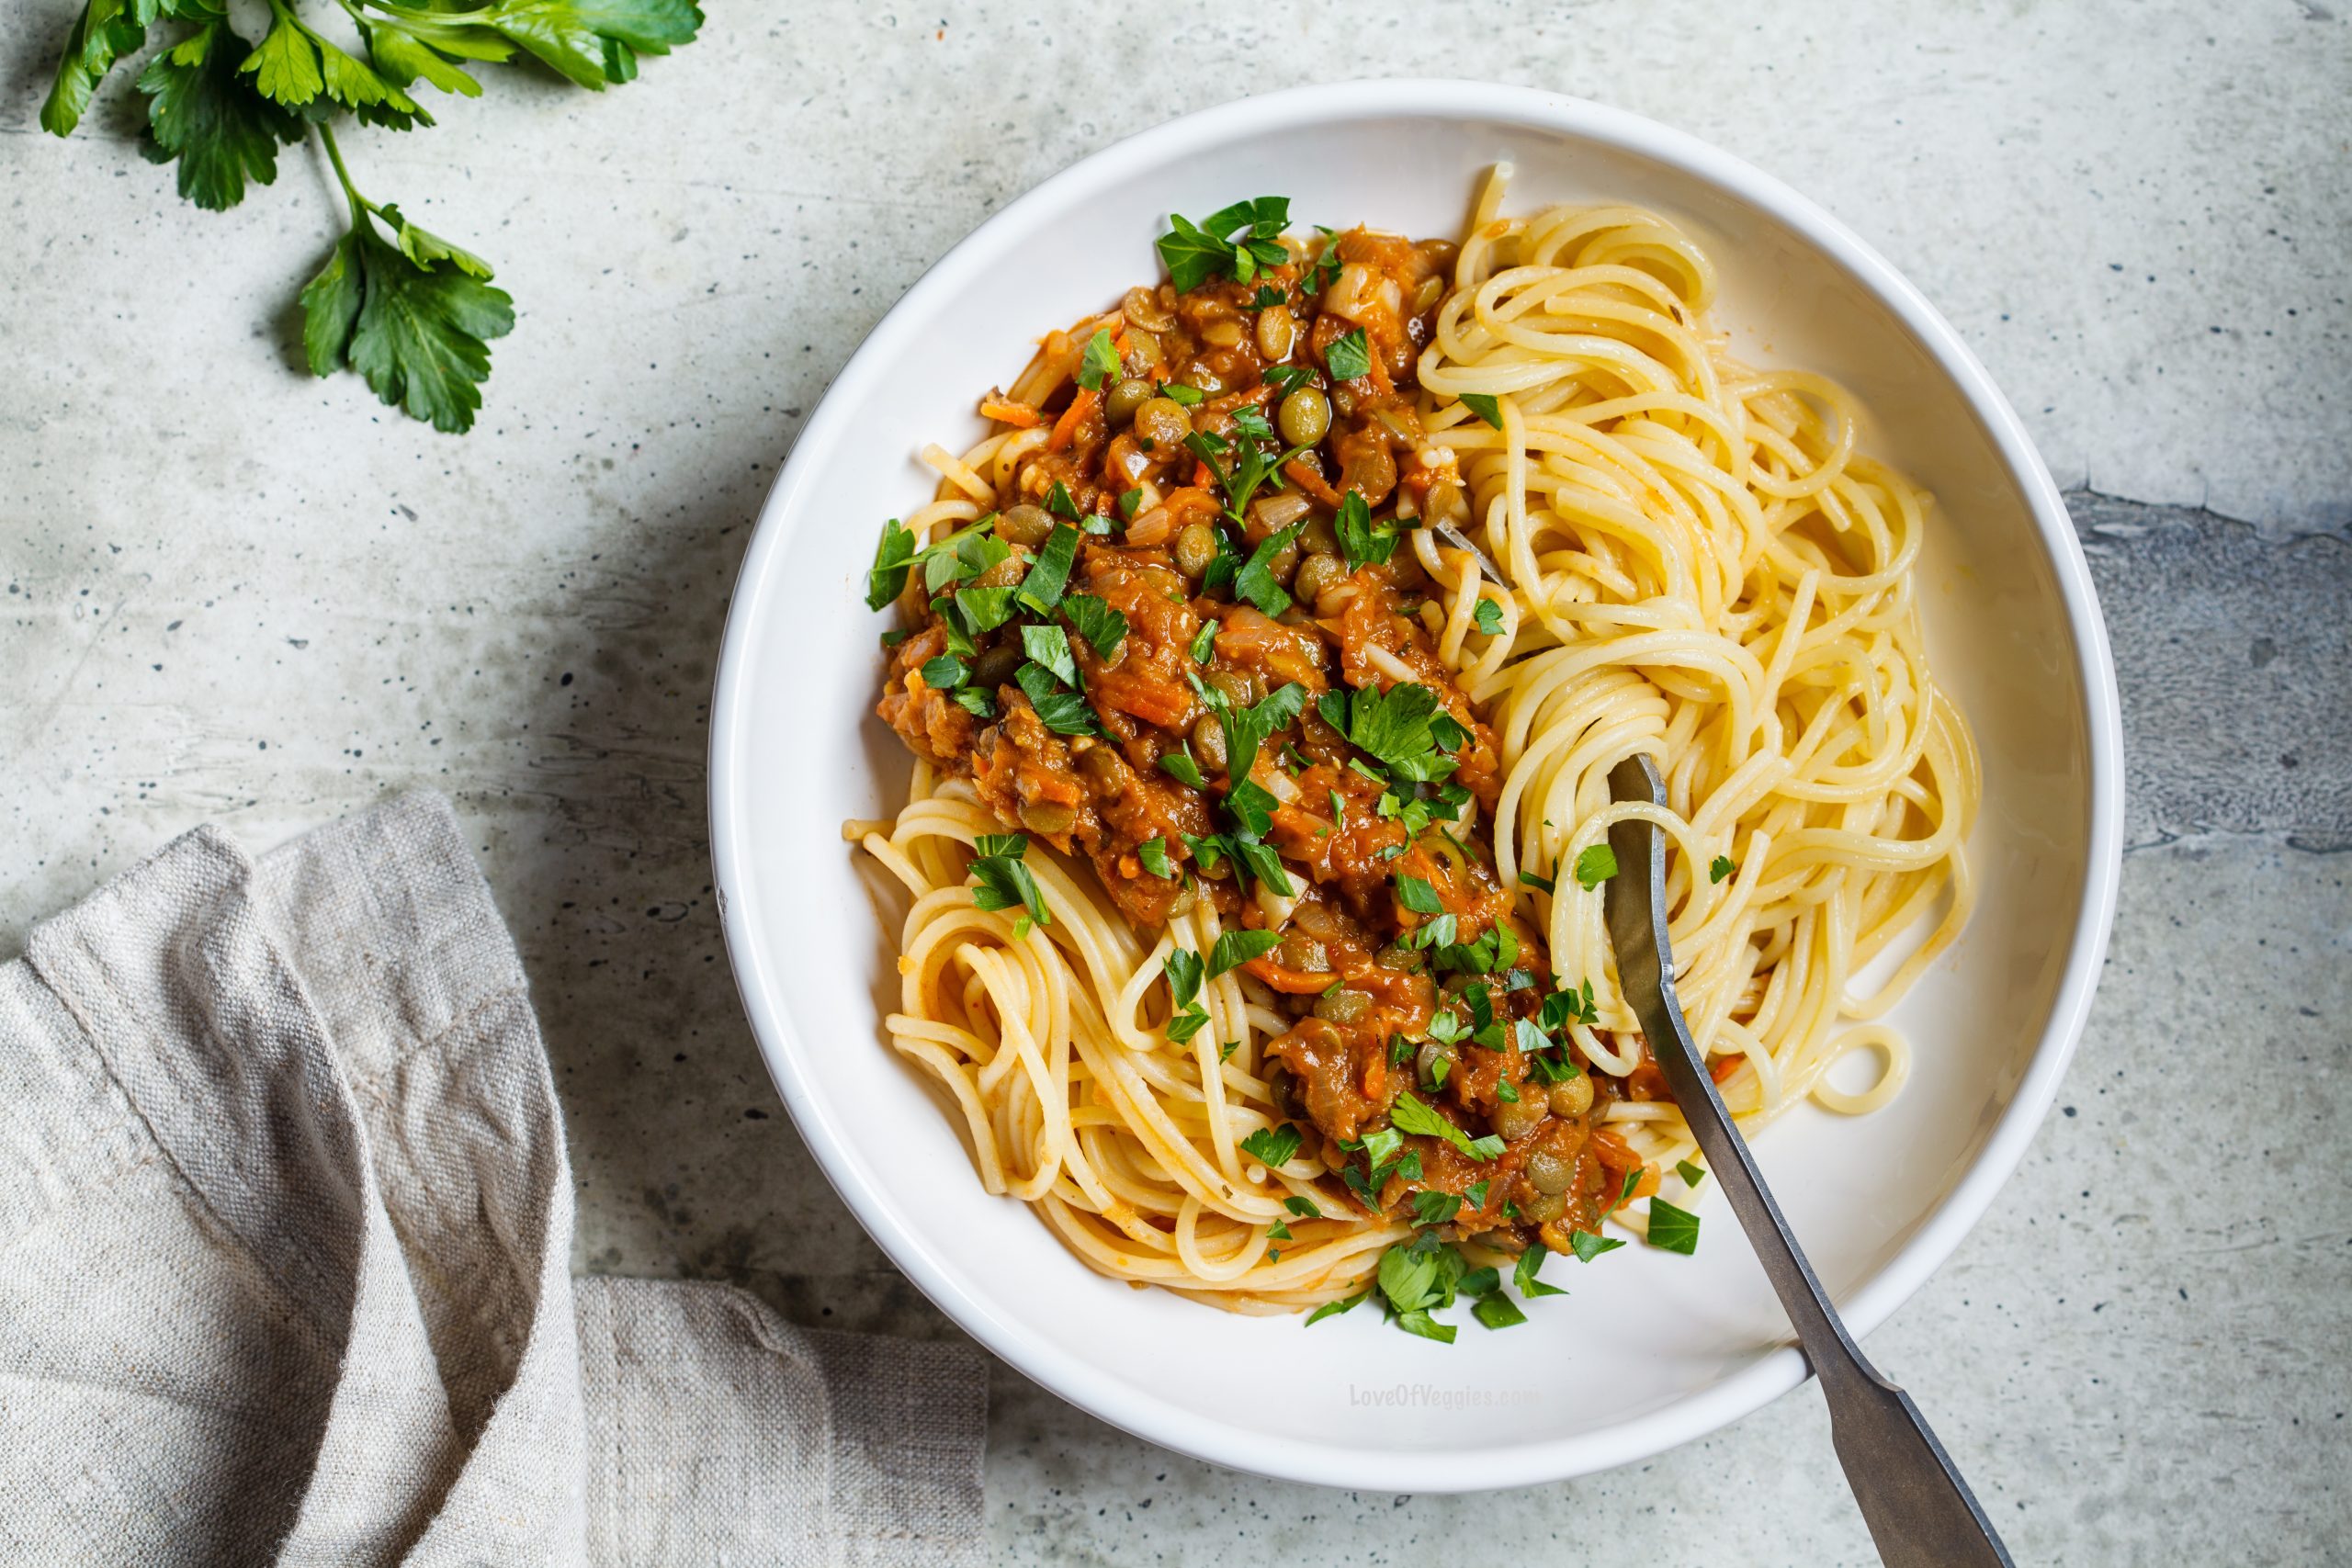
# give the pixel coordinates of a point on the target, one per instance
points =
(230, 593)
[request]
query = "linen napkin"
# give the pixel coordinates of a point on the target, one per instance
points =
(285, 1221)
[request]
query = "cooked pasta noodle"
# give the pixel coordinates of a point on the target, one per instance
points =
(1699, 563)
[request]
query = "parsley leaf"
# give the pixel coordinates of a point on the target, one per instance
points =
(1396, 726)
(1236, 948)
(1523, 1274)
(1203, 641)
(104, 32)
(1247, 728)
(1064, 713)
(1153, 854)
(1410, 1113)
(1420, 1321)
(1184, 974)
(1095, 621)
(943, 673)
(1363, 542)
(1004, 881)
(983, 609)
(1333, 1309)
(1673, 1228)
(1049, 646)
(1487, 617)
(418, 332)
(1587, 1246)
(1179, 765)
(1497, 1311)
(892, 555)
(1101, 361)
(1181, 395)
(1434, 1208)
(1483, 405)
(1529, 879)
(976, 701)
(1041, 590)
(1272, 1146)
(1721, 868)
(1305, 1208)
(1348, 357)
(1256, 582)
(221, 132)
(1252, 807)
(1691, 1175)
(1596, 864)
(1414, 894)
(1234, 241)
(1059, 503)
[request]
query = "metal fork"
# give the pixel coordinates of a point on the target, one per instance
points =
(1920, 1513)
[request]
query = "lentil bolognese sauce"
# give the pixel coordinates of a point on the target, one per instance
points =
(1303, 1040)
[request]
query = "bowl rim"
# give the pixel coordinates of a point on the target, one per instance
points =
(1334, 1462)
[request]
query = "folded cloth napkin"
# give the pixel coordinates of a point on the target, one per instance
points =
(285, 1224)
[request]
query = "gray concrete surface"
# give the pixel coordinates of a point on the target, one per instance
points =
(229, 591)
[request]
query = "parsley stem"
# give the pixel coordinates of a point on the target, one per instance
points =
(360, 205)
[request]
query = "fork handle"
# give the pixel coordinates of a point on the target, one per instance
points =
(1919, 1511)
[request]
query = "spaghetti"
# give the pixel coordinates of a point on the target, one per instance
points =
(1255, 846)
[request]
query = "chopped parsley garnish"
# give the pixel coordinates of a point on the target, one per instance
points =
(1049, 646)
(1233, 241)
(984, 609)
(1566, 1005)
(1691, 1175)
(1129, 500)
(1179, 765)
(1529, 879)
(1064, 713)
(1268, 294)
(1279, 1231)
(1286, 379)
(1596, 864)
(1004, 881)
(1252, 805)
(1181, 395)
(1059, 503)
(1721, 868)
(1497, 1311)
(1434, 1208)
(1049, 574)
(1476, 1194)
(1247, 728)
(1327, 265)
(1483, 405)
(1095, 621)
(1183, 972)
(1305, 1208)
(893, 553)
(1675, 1229)
(1255, 581)
(1487, 617)
(1413, 1114)
(1101, 361)
(943, 673)
(1153, 854)
(1363, 542)
(1348, 357)
(1333, 1309)
(1236, 948)
(1399, 727)
(1414, 894)
(1587, 1246)
(1523, 1274)
(1272, 1146)
(1203, 641)
(1250, 420)
(976, 701)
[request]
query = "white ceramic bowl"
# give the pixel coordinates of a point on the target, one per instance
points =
(1648, 1349)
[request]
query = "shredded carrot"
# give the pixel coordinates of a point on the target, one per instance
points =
(1201, 478)
(1007, 411)
(1302, 474)
(1066, 427)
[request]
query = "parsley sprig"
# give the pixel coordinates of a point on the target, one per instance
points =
(1236, 241)
(410, 311)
